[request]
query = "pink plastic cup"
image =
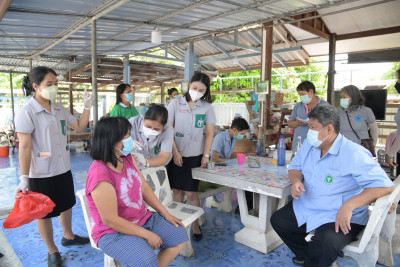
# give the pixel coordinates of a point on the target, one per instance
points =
(241, 158)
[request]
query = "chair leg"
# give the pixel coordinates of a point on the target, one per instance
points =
(370, 255)
(187, 251)
(385, 240)
(110, 262)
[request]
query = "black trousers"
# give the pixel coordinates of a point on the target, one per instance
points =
(325, 246)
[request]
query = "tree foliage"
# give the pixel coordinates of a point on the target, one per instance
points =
(390, 75)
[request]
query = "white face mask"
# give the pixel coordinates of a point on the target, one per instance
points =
(194, 95)
(149, 132)
(50, 93)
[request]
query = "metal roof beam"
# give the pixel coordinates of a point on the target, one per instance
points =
(158, 57)
(284, 50)
(226, 53)
(286, 40)
(247, 47)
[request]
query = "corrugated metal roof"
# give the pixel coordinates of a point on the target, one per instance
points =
(28, 27)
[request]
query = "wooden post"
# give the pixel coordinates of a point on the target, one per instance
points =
(266, 69)
(331, 71)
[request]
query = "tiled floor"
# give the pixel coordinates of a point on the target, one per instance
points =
(217, 248)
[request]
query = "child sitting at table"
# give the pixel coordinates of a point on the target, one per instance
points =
(224, 143)
(117, 191)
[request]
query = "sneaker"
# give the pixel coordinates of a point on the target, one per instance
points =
(298, 261)
(78, 240)
(54, 259)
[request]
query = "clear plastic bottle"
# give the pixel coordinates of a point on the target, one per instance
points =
(298, 145)
(281, 151)
(259, 146)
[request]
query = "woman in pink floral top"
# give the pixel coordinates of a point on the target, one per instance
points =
(116, 191)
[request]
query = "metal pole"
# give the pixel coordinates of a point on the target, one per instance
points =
(162, 93)
(189, 63)
(220, 88)
(12, 107)
(331, 70)
(30, 64)
(94, 73)
(127, 71)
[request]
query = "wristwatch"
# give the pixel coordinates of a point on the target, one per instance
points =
(206, 155)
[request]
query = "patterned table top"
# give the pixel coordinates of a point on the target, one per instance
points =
(268, 174)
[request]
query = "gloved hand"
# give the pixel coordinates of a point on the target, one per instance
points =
(136, 146)
(139, 159)
(88, 100)
(23, 185)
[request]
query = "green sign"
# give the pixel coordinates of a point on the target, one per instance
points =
(329, 179)
(200, 120)
(63, 127)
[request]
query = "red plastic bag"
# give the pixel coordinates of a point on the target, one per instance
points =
(29, 207)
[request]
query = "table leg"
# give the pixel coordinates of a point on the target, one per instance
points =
(257, 232)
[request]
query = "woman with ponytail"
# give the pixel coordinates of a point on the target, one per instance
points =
(44, 160)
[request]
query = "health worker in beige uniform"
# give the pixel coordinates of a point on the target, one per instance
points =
(190, 115)
(44, 160)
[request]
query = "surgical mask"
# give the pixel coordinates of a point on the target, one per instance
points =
(312, 137)
(176, 96)
(305, 99)
(50, 93)
(194, 95)
(129, 97)
(238, 137)
(149, 132)
(128, 146)
(344, 102)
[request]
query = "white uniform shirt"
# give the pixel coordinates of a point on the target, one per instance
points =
(49, 134)
(155, 144)
(189, 125)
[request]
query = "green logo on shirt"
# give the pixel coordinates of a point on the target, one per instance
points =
(63, 127)
(199, 122)
(179, 134)
(328, 179)
(157, 149)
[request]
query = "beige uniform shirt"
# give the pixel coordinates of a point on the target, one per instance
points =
(49, 134)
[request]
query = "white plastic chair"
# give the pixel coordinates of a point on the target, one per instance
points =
(108, 261)
(374, 242)
(157, 179)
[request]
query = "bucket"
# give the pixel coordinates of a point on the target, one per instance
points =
(76, 147)
(4, 151)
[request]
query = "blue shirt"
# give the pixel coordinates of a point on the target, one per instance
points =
(300, 111)
(341, 174)
(223, 145)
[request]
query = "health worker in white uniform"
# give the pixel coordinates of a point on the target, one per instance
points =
(193, 119)
(154, 135)
(44, 161)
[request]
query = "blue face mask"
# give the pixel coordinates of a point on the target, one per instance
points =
(312, 137)
(344, 102)
(129, 97)
(238, 137)
(305, 99)
(128, 146)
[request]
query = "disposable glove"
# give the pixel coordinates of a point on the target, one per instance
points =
(139, 159)
(87, 100)
(23, 185)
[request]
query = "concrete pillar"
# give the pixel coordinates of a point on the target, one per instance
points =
(127, 71)
(189, 63)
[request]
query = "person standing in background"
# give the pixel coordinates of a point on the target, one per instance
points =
(298, 119)
(189, 114)
(44, 161)
(356, 120)
(172, 93)
(123, 107)
(395, 147)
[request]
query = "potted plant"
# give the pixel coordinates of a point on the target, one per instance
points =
(7, 139)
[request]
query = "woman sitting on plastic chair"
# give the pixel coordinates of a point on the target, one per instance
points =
(116, 190)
